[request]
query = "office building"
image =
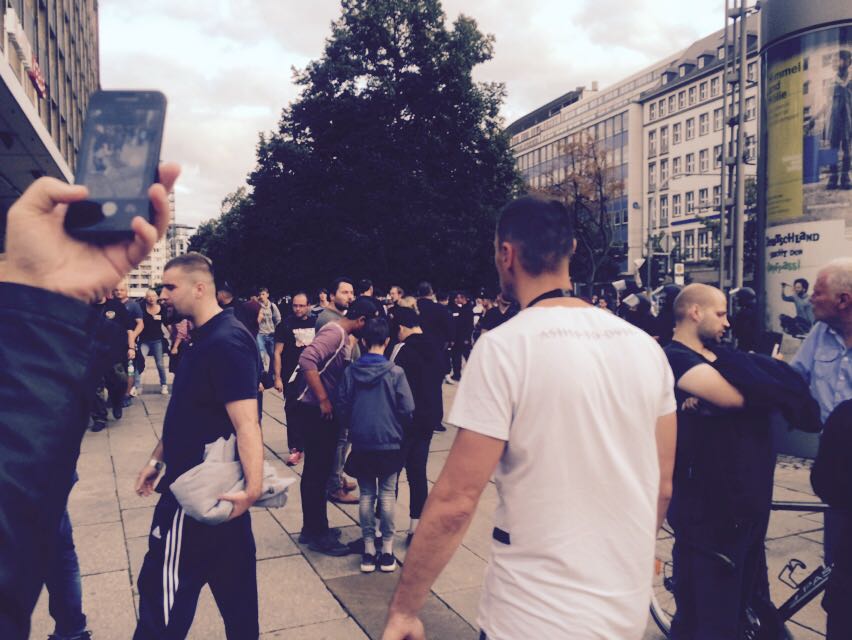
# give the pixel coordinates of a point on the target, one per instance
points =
(178, 236)
(149, 273)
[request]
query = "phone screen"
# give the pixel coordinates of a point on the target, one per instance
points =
(118, 152)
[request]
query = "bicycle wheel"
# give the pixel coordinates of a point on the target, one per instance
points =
(662, 596)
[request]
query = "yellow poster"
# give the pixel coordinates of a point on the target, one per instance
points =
(784, 123)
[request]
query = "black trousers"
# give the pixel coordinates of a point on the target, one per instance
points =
(416, 455)
(184, 555)
(295, 439)
(320, 447)
(711, 596)
(458, 351)
(114, 381)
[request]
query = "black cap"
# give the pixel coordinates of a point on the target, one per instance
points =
(362, 307)
(405, 317)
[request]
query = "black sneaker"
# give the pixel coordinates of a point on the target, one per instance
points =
(305, 537)
(328, 544)
(83, 635)
(117, 412)
(440, 428)
(387, 562)
(98, 426)
(369, 562)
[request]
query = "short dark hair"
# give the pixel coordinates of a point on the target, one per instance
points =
(337, 282)
(362, 286)
(424, 289)
(375, 332)
(398, 288)
(301, 293)
(805, 284)
(192, 261)
(261, 290)
(542, 230)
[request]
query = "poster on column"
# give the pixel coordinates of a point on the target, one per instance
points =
(808, 110)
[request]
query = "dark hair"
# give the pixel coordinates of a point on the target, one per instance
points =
(805, 284)
(424, 289)
(261, 290)
(336, 284)
(374, 333)
(192, 261)
(541, 229)
(321, 291)
(443, 295)
(362, 286)
(398, 288)
(300, 293)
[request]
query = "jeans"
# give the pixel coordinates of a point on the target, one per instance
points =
(320, 442)
(266, 347)
(386, 489)
(65, 596)
(416, 455)
(335, 478)
(153, 348)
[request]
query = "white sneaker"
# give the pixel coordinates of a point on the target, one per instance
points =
(164, 390)
(134, 391)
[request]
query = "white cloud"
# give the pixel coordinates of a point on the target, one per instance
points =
(225, 65)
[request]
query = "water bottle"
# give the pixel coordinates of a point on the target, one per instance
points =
(131, 370)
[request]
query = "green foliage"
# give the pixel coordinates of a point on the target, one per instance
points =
(391, 164)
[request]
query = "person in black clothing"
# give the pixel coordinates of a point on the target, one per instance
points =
(745, 324)
(52, 345)
(831, 478)
(665, 313)
(502, 311)
(114, 378)
(213, 397)
(423, 364)
(292, 335)
(460, 345)
(437, 326)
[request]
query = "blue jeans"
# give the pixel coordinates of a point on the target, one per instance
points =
(65, 596)
(266, 347)
(386, 489)
(152, 348)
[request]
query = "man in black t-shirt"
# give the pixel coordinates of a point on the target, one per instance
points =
(292, 335)
(722, 481)
(502, 311)
(113, 382)
(213, 396)
(462, 313)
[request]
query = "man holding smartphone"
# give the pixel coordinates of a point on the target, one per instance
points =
(214, 395)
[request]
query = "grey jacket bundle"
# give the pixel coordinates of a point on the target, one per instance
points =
(198, 490)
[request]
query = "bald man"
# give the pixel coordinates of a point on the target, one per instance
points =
(723, 477)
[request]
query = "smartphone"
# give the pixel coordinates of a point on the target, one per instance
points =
(118, 162)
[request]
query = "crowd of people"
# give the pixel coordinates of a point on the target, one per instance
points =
(597, 419)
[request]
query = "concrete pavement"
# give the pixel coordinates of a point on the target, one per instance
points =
(304, 595)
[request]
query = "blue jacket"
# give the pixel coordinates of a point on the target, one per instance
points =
(374, 401)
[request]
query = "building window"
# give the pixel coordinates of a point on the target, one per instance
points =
(689, 245)
(652, 144)
(652, 176)
(751, 109)
(717, 119)
(690, 128)
(704, 124)
(676, 242)
(704, 250)
(676, 206)
(652, 212)
(703, 198)
(702, 91)
(676, 133)
(752, 72)
(664, 139)
(681, 99)
(691, 96)
(664, 173)
(750, 149)
(715, 83)
(690, 202)
(690, 163)
(672, 104)
(664, 211)
(717, 195)
(653, 111)
(704, 161)
(661, 107)
(676, 166)
(717, 156)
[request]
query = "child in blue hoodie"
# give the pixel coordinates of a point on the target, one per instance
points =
(375, 402)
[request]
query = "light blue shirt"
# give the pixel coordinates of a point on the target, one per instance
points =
(825, 362)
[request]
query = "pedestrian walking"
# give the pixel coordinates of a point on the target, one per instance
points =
(214, 396)
(375, 403)
(462, 315)
(112, 383)
(151, 341)
(268, 319)
(135, 313)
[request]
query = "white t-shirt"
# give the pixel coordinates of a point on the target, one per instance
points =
(576, 393)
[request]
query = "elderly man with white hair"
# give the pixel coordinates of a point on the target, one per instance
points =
(825, 357)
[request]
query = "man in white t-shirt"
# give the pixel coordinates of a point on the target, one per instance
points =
(572, 410)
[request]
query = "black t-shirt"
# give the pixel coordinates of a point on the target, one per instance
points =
(295, 334)
(724, 459)
(113, 311)
(152, 328)
(493, 318)
(220, 366)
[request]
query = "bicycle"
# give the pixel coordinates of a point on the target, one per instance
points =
(662, 598)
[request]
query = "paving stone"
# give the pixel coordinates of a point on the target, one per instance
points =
(136, 550)
(366, 597)
(464, 570)
(464, 602)
(137, 522)
(92, 502)
(270, 537)
(333, 630)
(207, 623)
(330, 567)
(100, 548)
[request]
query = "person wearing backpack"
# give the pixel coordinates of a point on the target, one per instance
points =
(374, 401)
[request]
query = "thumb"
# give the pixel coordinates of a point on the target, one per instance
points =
(230, 497)
(45, 193)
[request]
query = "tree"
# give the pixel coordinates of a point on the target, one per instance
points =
(391, 164)
(584, 183)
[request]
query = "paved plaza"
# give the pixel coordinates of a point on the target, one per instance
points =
(308, 596)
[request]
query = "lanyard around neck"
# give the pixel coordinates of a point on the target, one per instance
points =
(553, 293)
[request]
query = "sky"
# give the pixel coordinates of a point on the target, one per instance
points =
(226, 65)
